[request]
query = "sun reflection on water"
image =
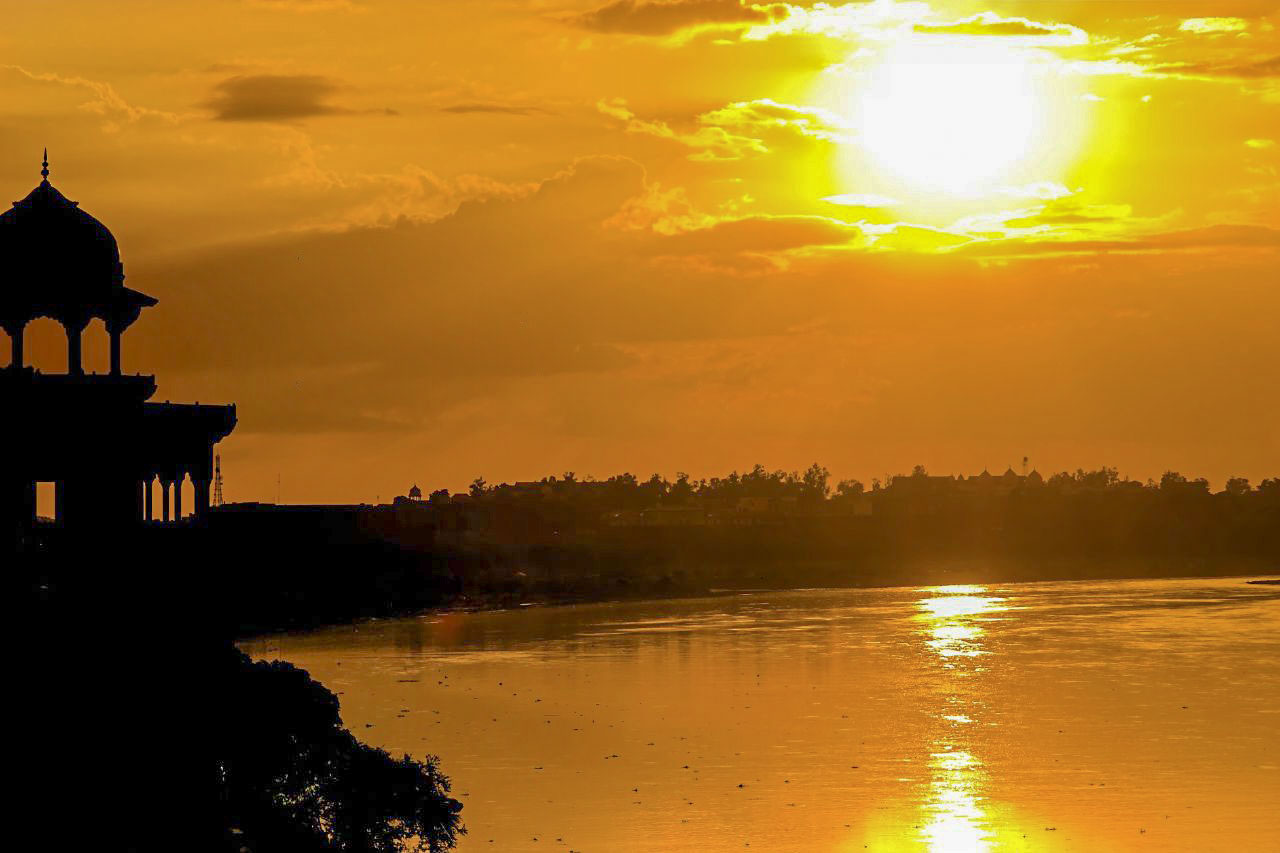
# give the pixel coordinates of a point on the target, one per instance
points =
(952, 619)
(955, 817)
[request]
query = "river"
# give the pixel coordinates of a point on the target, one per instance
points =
(1116, 715)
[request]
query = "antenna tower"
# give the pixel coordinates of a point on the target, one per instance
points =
(217, 480)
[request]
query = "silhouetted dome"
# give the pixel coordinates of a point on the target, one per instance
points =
(48, 232)
(415, 493)
(58, 261)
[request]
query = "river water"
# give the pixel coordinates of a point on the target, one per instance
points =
(1089, 716)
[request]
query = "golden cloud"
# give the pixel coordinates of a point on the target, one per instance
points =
(709, 142)
(991, 24)
(1262, 69)
(1204, 26)
(637, 17)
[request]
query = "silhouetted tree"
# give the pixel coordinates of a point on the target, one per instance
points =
(1238, 486)
(293, 779)
(681, 491)
(814, 483)
(849, 488)
(1103, 478)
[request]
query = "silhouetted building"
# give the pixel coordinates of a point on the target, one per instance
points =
(94, 436)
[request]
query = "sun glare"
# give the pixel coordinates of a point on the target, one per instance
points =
(950, 117)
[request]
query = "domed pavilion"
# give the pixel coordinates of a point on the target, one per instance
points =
(94, 436)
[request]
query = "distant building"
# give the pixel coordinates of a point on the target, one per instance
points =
(924, 494)
(94, 436)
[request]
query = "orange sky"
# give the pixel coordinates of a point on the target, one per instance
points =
(425, 241)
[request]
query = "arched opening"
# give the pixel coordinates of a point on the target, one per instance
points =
(45, 345)
(188, 498)
(45, 507)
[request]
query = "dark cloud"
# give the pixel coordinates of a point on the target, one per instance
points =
(497, 109)
(663, 18)
(278, 97)
(1260, 70)
(307, 5)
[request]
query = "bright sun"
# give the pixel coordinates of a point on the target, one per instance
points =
(950, 117)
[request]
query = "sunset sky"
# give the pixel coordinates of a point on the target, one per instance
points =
(426, 241)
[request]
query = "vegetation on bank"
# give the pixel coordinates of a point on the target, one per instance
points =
(135, 707)
(562, 540)
(292, 778)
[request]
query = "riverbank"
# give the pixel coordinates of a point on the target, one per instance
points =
(233, 586)
(521, 584)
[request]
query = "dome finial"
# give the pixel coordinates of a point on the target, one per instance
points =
(44, 166)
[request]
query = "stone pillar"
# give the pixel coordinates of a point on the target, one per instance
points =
(29, 499)
(17, 505)
(201, 490)
(201, 480)
(15, 335)
(75, 366)
(60, 502)
(148, 513)
(164, 499)
(177, 496)
(115, 351)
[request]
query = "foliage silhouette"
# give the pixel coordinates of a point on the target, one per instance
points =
(293, 778)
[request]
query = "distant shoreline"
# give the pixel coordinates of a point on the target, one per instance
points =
(498, 602)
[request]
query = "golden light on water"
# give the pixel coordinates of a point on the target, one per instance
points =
(956, 821)
(950, 627)
(956, 817)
